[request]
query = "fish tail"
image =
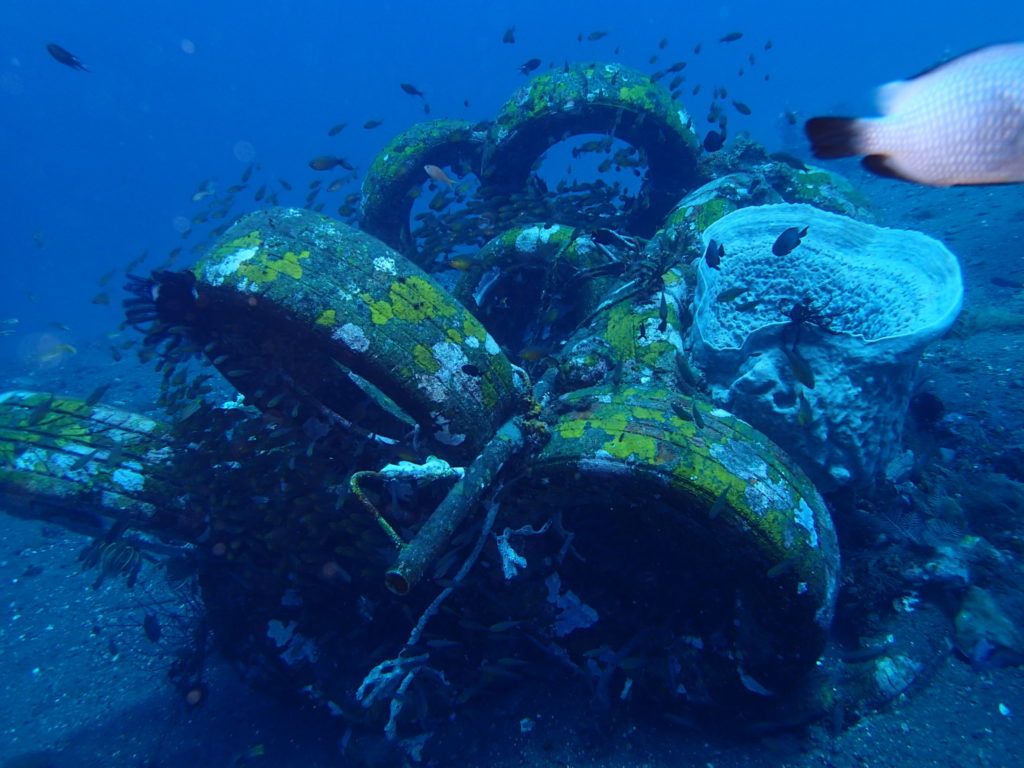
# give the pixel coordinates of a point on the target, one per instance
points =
(833, 137)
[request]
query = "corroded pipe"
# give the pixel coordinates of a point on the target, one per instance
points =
(464, 496)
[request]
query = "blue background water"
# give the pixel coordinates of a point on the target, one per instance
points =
(98, 166)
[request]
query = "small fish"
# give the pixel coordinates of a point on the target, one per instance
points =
(284, 184)
(679, 409)
(684, 372)
(534, 352)
(804, 414)
(713, 141)
(56, 353)
(790, 160)
(596, 36)
(961, 122)
(82, 460)
(39, 410)
(336, 129)
(101, 298)
(97, 394)
(662, 43)
(438, 175)
(679, 66)
(742, 108)
(801, 368)
(528, 66)
(720, 504)
(781, 568)
(731, 37)
(411, 89)
(472, 370)
(65, 57)
(713, 254)
(206, 188)
(439, 201)
(663, 314)
(509, 36)
(462, 263)
(151, 627)
(697, 418)
(788, 240)
(371, 124)
(503, 626)
(731, 293)
(696, 48)
(748, 306)
(323, 162)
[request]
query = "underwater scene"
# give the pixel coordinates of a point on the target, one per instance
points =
(511, 384)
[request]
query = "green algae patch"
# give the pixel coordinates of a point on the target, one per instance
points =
(425, 360)
(414, 299)
(327, 318)
(381, 311)
(264, 268)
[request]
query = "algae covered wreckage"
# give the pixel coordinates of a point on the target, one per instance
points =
(585, 449)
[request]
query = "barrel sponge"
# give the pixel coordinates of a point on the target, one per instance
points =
(832, 389)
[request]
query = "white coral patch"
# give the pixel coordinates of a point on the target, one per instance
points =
(491, 345)
(352, 336)
(804, 516)
(159, 455)
(451, 357)
(216, 274)
(128, 479)
(384, 264)
(443, 433)
(433, 387)
(527, 240)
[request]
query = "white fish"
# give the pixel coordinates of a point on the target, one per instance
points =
(961, 122)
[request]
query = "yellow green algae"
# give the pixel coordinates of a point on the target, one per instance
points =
(327, 318)
(412, 299)
(424, 357)
(264, 268)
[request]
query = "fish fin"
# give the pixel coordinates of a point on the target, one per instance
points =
(880, 166)
(833, 137)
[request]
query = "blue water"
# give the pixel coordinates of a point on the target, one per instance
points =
(98, 165)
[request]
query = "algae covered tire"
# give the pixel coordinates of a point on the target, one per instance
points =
(398, 170)
(686, 519)
(84, 466)
(535, 283)
(312, 319)
(607, 99)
